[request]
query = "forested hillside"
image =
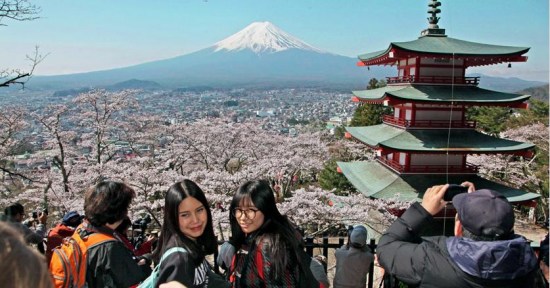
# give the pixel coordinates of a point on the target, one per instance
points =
(538, 93)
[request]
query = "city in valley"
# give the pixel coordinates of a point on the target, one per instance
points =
(284, 111)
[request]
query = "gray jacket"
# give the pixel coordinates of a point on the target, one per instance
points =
(352, 267)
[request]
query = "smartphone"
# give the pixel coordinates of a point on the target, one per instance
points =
(453, 190)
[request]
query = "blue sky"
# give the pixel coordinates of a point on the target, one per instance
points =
(92, 35)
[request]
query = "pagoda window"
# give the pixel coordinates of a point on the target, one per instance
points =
(438, 115)
(437, 159)
(396, 112)
(440, 71)
(402, 158)
(408, 114)
(440, 163)
(444, 62)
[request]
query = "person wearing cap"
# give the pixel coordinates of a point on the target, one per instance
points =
(353, 260)
(485, 251)
(62, 230)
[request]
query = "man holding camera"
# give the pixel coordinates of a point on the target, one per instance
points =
(485, 252)
(15, 214)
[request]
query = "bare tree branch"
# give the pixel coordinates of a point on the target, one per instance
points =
(16, 76)
(12, 173)
(19, 10)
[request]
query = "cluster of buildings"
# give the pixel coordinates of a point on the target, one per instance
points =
(282, 110)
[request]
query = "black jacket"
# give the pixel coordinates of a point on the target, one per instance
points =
(179, 266)
(111, 264)
(450, 261)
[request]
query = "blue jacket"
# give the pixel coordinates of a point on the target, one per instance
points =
(507, 259)
(450, 261)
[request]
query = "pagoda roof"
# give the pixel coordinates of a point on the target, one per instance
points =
(443, 45)
(434, 140)
(375, 180)
(440, 93)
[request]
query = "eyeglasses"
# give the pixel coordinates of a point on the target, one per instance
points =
(249, 213)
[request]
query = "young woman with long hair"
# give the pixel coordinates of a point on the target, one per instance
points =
(269, 251)
(187, 224)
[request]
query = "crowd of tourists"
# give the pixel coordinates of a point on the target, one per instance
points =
(265, 248)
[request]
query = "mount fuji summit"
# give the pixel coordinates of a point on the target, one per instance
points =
(260, 55)
(262, 37)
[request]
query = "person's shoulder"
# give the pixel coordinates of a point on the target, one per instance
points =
(175, 252)
(16, 224)
(107, 243)
(367, 254)
(344, 250)
(316, 264)
(182, 250)
(63, 230)
(266, 239)
(438, 241)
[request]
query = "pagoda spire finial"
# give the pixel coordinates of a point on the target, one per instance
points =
(433, 28)
(434, 10)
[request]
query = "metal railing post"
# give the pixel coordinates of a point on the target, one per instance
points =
(372, 246)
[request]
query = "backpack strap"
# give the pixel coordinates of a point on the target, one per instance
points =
(170, 251)
(92, 238)
(151, 281)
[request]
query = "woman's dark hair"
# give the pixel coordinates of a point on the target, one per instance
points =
(124, 226)
(107, 202)
(206, 243)
(281, 232)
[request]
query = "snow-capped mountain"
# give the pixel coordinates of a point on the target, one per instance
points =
(262, 37)
(260, 55)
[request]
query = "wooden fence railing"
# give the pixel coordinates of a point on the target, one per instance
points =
(323, 243)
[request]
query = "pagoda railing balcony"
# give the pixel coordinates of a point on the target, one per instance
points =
(459, 80)
(432, 169)
(389, 119)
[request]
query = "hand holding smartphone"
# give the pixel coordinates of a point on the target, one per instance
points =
(453, 190)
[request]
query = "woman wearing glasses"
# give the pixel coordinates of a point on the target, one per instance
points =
(187, 224)
(269, 253)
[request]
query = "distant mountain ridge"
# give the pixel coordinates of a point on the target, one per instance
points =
(512, 84)
(539, 93)
(260, 55)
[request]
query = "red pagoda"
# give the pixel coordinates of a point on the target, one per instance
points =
(427, 140)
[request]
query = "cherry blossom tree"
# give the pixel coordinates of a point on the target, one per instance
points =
(100, 114)
(12, 124)
(217, 153)
(60, 141)
(519, 172)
